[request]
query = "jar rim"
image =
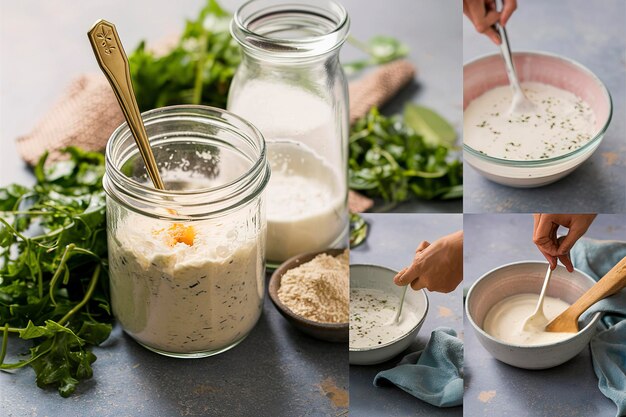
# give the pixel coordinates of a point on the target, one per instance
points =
(279, 47)
(215, 199)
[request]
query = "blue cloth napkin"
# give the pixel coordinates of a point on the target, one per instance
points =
(435, 374)
(608, 346)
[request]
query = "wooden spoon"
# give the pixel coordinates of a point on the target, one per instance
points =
(611, 283)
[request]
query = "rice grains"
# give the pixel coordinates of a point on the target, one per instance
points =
(319, 290)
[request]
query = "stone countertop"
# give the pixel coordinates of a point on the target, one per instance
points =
(391, 243)
(495, 389)
(595, 37)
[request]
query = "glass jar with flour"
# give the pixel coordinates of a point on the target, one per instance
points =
(291, 86)
(186, 264)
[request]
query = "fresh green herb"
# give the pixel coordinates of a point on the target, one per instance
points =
(389, 160)
(434, 129)
(53, 269)
(358, 230)
(198, 70)
(381, 50)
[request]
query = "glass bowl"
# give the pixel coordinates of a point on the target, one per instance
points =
(487, 72)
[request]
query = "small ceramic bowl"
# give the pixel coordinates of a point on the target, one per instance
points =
(381, 278)
(488, 72)
(527, 277)
(331, 332)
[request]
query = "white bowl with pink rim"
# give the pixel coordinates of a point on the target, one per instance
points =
(487, 72)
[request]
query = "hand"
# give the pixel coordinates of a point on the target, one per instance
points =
(483, 14)
(437, 267)
(553, 248)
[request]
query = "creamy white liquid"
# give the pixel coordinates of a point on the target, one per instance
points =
(306, 195)
(559, 123)
(282, 111)
(371, 315)
(305, 205)
(185, 299)
(505, 320)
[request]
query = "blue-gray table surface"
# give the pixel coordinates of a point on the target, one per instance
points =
(33, 74)
(392, 242)
(570, 389)
(593, 34)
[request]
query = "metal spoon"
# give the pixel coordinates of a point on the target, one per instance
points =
(112, 59)
(538, 320)
(399, 309)
(520, 103)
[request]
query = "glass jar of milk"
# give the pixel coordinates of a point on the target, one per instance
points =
(290, 84)
(186, 265)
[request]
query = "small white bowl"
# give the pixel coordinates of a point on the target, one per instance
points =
(381, 278)
(488, 72)
(527, 277)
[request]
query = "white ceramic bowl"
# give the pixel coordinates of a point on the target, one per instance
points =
(381, 278)
(488, 72)
(527, 277)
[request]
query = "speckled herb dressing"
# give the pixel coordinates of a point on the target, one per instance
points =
(560, 123)
(371, 314)
(181, 298)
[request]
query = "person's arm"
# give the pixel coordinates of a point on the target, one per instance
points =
(545, 231)
(483, 15)
(437, 266)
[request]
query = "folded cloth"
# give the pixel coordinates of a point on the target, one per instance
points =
(435, 374)
(608, 346)
(84, 116)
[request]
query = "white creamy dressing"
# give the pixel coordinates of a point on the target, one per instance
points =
(559, 123)
(305, 195)
(305, 212)
(184, 299)
(505, 320)
(371, 315)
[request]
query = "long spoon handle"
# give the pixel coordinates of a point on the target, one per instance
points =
(611, 283)
(399, 310)
(544, 288)
(505, 49)
(112, 59)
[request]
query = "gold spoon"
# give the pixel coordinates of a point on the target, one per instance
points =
(112, 59)
(611, 283)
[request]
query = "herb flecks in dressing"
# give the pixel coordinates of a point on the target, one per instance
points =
(560, 123)
(371, 315)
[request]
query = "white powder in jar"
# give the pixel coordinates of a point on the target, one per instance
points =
(319, 290)
(307, 191)
(185, 298)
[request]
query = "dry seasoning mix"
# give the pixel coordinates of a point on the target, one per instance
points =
(319, 290)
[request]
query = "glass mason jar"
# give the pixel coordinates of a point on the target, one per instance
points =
(290, 84)
(187, 265)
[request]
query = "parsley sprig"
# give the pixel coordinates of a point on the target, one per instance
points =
(53, 269)
(391, 160)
